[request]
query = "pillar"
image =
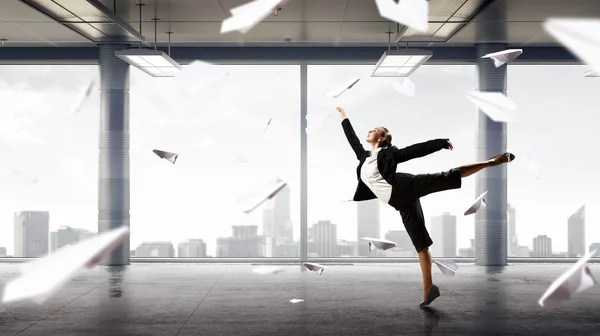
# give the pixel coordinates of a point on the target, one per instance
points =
(113, 156)
(490, 222)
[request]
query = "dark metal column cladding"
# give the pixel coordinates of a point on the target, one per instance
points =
(113, 156)
(490, 222)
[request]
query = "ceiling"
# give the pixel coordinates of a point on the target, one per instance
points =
(302, 22)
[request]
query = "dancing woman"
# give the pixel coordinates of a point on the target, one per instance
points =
(377, 178)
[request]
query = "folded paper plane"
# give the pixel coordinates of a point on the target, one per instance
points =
(575, 280)
(171, 157)
(381, 244)
(85, 94)
(338, 91)
(580, 36)
(267, 125)
(495, 105)
(40, 278)
(296, 300)
(410, 13)
(504, 56)
(314, 267)
(248, 15)
(252, 201)
(479, 202)
(407, 87)
(448, 267)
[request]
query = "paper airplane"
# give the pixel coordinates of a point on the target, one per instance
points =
(592, 73)
(479, 202)
(41, 277)
(296, 300)
(503, 56)
(495, 105)
(411, 13)
(267, 270)
(407, 87)
(171, 157)
(248, 15)
(381, 244)
(198, 74)
(78, 104)
(575, 280)
(338, 91)
(580, 36)
(267, 126)
(448, 267)
(314, 267)
(255, 199)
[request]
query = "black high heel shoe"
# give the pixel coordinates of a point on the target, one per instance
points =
(503, 158)
(434, 293)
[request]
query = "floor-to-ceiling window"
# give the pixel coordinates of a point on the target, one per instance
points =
(236, 130)
(553, 184)
(439, 109)
(49, 146)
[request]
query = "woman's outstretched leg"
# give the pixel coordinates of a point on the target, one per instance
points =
(473, 168)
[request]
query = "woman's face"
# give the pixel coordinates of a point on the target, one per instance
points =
(375, 135)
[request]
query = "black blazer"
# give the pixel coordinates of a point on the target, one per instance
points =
(387, 160)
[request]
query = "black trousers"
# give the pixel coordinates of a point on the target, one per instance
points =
(406, 201)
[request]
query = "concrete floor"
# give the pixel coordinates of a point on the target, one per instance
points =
(212, 300)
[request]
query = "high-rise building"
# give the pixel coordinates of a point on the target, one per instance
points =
(576, 233)
(468, 252)
(443, 234)
(31, 233)
(155, 250)
(2, 252)
(192, 248)
(322, 239)
(367, 225)
(345, 248)
(404, 246)
(245, 243)
(67, 236)
(511, 237)
(542, 246)
(277, 221)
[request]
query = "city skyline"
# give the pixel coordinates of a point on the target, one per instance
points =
(51, 154)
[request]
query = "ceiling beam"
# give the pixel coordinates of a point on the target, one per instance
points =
(274, 55)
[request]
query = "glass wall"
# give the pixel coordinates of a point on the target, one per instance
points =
(49, 146)
(553, 185)
(236, 129)
(438, 110)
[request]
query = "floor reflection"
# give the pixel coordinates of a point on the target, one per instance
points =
(431, 319)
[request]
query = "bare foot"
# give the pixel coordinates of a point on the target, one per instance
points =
(503, 158)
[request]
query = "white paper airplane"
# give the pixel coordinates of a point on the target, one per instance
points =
(411, 13)
(504, 56)
(267, 270)
(407, 87)
(575, 280)
(580, 36)
(78, 104)
(248, 15)
(448, 267)
(592, 73)
(296, 300)
(338, 91)
(314, 267)
(255, 199)
(199, 74)
(479, 202)
(41, 277)
(382, 244)
(171, 157)
(267, 126)
(495, 105)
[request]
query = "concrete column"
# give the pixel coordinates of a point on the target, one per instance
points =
(113, 156)
(490, 222)
(303, 162)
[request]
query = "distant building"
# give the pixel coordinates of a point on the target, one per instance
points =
(542, 246)
(287, 250)
(468, 252)
(155, 250)
(443, 234)
(322, 239)
(595, 246)
(3, 252)
(576, 233)
(523, 252)
(404, 247)
(68, 236)
(192, 248)
(244, 243)
(367, 225)
(31, 234)
(512, 240)
(346, 248)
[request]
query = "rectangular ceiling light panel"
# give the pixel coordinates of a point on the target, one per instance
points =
(400, 63)
(153, 62)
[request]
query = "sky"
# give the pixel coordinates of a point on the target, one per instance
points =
(215, 120)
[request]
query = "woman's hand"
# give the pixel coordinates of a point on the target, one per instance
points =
(450, 146)
(342, 112)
